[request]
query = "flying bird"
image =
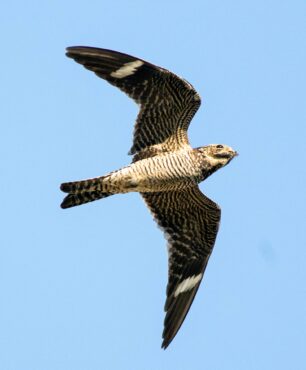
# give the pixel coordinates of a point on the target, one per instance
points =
(165, 170)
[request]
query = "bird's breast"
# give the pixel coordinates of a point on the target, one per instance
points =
(164, 172)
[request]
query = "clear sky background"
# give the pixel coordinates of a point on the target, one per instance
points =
(84, 288)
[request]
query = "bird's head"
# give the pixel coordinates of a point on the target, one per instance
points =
(218, 155)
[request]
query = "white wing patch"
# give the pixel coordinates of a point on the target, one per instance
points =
(187, 284)
(127, 69)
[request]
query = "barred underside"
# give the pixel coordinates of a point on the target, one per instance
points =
(165, 170)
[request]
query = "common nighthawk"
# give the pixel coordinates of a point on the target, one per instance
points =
(165, 170)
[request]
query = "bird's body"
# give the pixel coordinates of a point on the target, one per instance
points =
(165, 170)
(168, 171)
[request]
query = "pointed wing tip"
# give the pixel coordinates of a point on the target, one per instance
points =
(165, 344)
(72, 50)
(178, 306)
(77, 47)
(167, 339)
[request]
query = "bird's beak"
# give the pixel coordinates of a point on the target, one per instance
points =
(236, 154)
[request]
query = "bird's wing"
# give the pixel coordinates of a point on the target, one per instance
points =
(167, 102)
(190, 222)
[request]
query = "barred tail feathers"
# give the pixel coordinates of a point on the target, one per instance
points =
(72, 200)
(83, 186)
(85, 191)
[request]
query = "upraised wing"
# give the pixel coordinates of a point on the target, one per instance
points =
(190, 221)
(167, 102)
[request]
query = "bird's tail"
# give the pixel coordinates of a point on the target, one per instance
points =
(81, 192)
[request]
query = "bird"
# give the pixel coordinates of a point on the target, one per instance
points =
(165, 170)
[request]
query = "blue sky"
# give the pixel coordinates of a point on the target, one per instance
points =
(84, 288)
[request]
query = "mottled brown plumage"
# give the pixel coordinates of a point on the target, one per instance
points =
(165, 170)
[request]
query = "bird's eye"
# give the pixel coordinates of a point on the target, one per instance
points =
(219, 146)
